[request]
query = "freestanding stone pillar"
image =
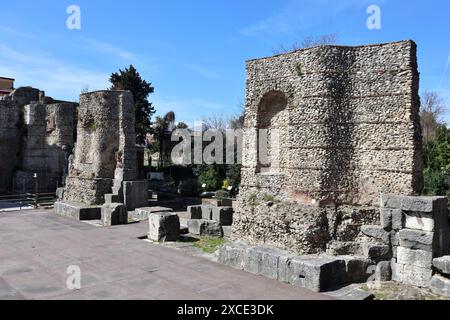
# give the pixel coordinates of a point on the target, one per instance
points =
(105, 155)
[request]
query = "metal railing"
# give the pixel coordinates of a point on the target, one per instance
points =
(18, 202)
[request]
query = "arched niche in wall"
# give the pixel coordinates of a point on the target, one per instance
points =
(272, 127)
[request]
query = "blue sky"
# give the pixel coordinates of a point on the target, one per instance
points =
(194, 52)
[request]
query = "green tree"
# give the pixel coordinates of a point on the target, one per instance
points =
(130, 79)
(437, 163)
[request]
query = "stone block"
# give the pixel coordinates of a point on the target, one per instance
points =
(114, 214)
(395, 239)
(112, 198)
(442, 264)
(377, 233)
(440, 285)
(217, 202)
(419, 221)
(418, 204)
(164, 227)
(376, 252)
(226, 231)
(79, 212)
(142, 214)
(194, 212)
(383, 271)
(223, 215)
(317, 273)
(60, 193)
(398, 222)
(386, 219)
(356, 268)
(207, 228)
(135, 194)
(262, 261)
(416, 240)
(207, 212)
(391, 201)
(232, 255)
(416, 258)
(412, 275)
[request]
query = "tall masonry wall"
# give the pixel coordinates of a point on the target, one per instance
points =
(105, 153)
(343, 128)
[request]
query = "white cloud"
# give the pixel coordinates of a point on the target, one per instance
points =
(12, 32)
(60, 79)
(109, 49)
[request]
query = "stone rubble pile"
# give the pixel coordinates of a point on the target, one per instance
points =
(209, 220)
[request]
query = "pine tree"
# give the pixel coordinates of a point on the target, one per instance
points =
(130, 79)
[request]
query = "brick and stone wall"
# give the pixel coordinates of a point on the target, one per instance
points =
(46, 146)
(36, 133)
(105, 153)
(343, 128)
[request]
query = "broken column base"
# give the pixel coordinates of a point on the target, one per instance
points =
(78, 211)
(318, 273)
(114, 214)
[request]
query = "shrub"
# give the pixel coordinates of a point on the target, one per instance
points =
(211, 179)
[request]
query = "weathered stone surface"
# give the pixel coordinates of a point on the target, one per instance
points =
(417, 240)
(194, 212)
(377, 233)
(442, 264)
(416, 258)
(112, 198)
(142, 214)
(217, 202)
(135, 194)
(376, 252)
(222, 215)
(78, 211)
(203, 227)
(114, 214)
(226, 231)
(356, 268)
(440, 285)
(164, 227)
(346, 137)
(207, 212)
(262, 261)
(418, 204)
(383, 271)
(398, 218)
(386, 218)
(411, 275)
(317, 273)
(232, 255)
(419, 221)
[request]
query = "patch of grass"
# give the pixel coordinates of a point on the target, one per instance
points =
(252, 199)
(209, 245)
(270, 198)
(393, 291)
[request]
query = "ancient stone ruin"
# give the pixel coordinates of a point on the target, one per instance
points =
(347, 125)
(341, 129)
(36, 137)
(103, 171)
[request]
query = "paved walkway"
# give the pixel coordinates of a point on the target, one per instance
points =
(36, 248)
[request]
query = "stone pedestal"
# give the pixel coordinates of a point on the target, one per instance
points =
(78, 211)
(164, 227)
(114, 214)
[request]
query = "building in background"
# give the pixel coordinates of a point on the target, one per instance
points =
(6, 86)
